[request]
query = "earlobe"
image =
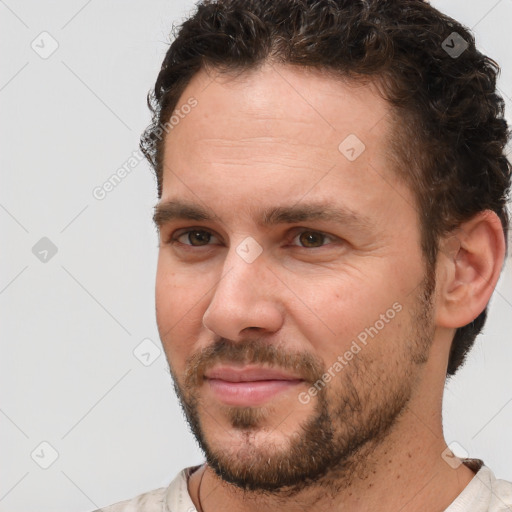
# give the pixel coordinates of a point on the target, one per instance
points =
(469, 265)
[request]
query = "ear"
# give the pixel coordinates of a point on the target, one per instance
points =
(468, 268)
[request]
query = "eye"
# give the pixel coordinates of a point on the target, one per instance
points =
(192, 237)
(307, 238)
(312, 239)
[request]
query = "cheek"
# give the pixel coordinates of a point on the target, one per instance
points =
(177, 315)
(352, 313)
(167, 305)
(176, 293)
(179, 340)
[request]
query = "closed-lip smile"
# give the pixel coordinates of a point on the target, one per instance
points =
(248, 385)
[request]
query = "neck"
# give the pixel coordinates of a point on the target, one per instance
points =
(404, 470)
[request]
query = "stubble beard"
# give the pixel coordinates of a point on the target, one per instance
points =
(350, 419)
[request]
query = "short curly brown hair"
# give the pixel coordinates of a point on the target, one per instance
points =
(450, 133)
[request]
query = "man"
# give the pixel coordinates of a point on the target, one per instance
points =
(332, 216)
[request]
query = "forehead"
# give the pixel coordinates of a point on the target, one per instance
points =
(278, 129)
(280, 96)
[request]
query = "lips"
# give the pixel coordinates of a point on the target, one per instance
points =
(249, 385)
(247, 374)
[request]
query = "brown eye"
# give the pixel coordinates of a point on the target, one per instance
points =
(312, 239)
(202, 237)
(193, 238)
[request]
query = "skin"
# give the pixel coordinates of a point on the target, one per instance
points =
(270, 138)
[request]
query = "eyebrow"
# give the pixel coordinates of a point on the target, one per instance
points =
(177, 209)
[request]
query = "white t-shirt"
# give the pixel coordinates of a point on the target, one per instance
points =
(483, 494)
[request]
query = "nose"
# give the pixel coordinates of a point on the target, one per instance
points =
(245, 298)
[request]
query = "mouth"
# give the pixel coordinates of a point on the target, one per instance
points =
(249, 385)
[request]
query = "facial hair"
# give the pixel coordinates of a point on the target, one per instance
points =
(351, 416)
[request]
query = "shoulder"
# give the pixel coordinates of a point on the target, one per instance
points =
(485, 493)
(501, 495)
(173, 498)
(152, 501)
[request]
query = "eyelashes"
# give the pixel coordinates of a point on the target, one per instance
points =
(205, 236)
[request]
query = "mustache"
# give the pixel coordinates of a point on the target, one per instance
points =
(255, 351)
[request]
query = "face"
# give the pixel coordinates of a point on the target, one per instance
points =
(291, 295)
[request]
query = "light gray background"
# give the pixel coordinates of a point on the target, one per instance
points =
(69, 326)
